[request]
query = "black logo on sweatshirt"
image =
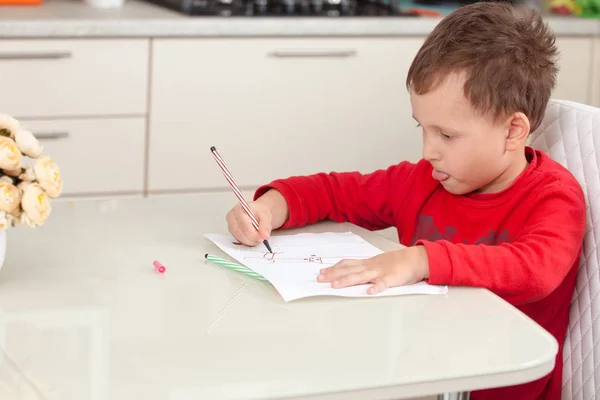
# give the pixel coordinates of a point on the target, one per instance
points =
(428, 230)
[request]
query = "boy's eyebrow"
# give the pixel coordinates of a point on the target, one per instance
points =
(439, 128)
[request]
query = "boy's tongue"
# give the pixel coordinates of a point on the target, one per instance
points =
(439, 176)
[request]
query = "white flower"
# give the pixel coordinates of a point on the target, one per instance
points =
(35, 204)
(8, 125)
(10, 155)
(48, 176)
(13, 172)
(6, 221)
(26, 174)
(28, 144)
(10, 197)
(7, 179)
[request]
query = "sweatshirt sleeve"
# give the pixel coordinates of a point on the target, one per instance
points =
(362, 199)
(531, 266)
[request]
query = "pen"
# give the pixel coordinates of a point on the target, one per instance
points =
(234, 266)
(237, 192)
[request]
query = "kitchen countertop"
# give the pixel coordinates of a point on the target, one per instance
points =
(74, 19)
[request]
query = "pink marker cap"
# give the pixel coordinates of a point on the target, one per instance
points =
(159, 267)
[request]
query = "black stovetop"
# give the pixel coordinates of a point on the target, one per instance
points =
(282, 8)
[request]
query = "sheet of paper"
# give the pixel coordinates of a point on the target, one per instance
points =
(296, 260)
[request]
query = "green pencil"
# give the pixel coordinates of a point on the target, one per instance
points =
(233, 266)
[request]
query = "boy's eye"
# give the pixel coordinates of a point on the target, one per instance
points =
(418, 125)
(445, 136)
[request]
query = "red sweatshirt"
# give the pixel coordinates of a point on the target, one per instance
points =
(522, 243)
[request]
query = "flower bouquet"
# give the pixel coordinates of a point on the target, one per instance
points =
(28, 179)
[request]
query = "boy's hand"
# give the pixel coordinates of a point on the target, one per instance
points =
(240, 224)
(271, 212)
(396, 268)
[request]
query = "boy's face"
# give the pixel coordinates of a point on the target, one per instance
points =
(468, 151)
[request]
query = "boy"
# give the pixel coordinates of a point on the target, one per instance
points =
(481, 208)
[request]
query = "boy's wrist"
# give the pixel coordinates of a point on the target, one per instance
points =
(421, 261)
(277, 204)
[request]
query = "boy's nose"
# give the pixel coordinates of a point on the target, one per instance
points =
(429, 152)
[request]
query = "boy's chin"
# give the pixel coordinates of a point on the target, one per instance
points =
(452, 187)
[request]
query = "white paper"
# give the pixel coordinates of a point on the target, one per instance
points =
(297, 259)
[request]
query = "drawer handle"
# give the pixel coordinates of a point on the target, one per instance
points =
(51, 135)
(313, 53)
(52, 55)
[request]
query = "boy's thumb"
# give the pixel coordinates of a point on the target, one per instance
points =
(264, 233)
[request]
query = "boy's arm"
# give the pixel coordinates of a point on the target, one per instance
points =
(530, 267)
(362, 199)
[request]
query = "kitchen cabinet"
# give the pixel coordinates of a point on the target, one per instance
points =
(56, 78)
(575, 63)
(86, 100)
(274, 107)
(277, 107)
(95, 156)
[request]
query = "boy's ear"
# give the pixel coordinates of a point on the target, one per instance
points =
(518, 130)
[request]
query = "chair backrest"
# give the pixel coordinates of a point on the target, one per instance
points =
(570, 135)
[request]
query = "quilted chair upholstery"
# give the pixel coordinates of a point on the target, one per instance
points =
(570, 134)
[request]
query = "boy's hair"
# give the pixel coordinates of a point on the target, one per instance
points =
(507, 53)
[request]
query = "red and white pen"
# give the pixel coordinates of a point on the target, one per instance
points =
(237, 192)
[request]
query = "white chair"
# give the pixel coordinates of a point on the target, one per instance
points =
(570, 135)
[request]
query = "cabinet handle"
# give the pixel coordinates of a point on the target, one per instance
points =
(48, 55)
(51, 135)
(313, 53)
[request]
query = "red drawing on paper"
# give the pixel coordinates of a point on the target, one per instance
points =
(275, 257)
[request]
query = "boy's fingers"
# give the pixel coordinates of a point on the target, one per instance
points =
(234, 228)
(251, 233)
(378, 287)
(234, 225)
(239, 234)
(264, 224)
(352, 279)
(230, 218)
(243, 223)
(337, 271)
(240, 226)
(340, 266)
(264, 233)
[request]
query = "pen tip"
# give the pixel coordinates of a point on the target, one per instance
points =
(268, 246)
(213, 148)
(206, 255)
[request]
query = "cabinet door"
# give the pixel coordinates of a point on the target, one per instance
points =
(56, 78)
(277, 107)
(575, 63)
(96, 156)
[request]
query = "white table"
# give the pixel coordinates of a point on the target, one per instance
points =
(85, 316)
